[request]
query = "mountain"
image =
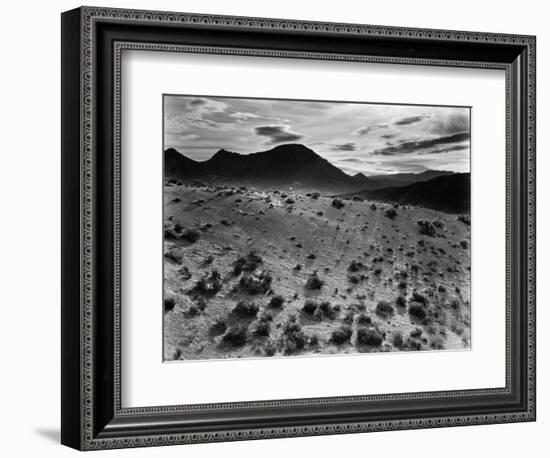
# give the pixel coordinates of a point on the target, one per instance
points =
(449, 193)
(285, 165)
(288, 165)
(400, 179)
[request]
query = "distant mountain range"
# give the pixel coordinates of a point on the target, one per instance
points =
(289, 165)
(449, 193)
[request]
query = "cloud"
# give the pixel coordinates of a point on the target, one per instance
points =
(387, 136)
(413, 146)
(368, 129)
(345, 147)
(410, 120)
(277, 134)
(198, 102)
(447, 149)
(350, 159)
(243, 116)
(453, 123)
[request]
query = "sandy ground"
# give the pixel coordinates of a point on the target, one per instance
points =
(383, 285)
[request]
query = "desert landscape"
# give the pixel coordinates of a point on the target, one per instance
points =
(281, 253)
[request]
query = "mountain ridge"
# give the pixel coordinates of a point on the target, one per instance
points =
(289, 165)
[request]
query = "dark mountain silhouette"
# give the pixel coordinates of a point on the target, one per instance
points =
(449, 193)
(289, 165)
(285, 165)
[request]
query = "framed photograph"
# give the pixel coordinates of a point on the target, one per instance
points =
(276, 228)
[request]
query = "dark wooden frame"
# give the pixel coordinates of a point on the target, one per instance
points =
(92, 40)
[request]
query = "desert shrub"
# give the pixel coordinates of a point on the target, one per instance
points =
(262, 329)
(417, 310)
(338, 203)
(311, 256)
(464, 219)
(441, 289)
(314, 282)
(201, 303)
(390, 213)
(341, 335)
(397, 339)
(256, 283)
(355, 279)
(174, 255)
(169, 234)
(418, 297)
(372, 206)
(297, 267)
(384, 309)
(426, 228)
(309, 307)
(313, 340)
(464, 244)
(414, 344)
(325, 310)
(218, 327)
(416, 333)
(355, 266)
(235, 335)
(438, 223)
(209, 284)
(192, 311)
(178, 228)
(370, 336)
(402, 284)
(292, 337)
(248, 263)
(400, 301)
(315, 195)
(276, 302)
(169, 303)
(348, 317)
(184, 273)
(358, 199)
(269, 349)
(224, 222)
(364, 320)
(290, 201)
(378, 271)
(208, 260)
(245, 309)
(190, 235)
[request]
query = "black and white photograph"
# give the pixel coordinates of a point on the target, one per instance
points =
(302, 227)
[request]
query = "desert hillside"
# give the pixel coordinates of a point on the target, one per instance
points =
(251, 272)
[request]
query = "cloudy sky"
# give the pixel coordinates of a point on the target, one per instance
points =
(356, 137)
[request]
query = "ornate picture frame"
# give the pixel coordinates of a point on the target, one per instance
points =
(93, 416)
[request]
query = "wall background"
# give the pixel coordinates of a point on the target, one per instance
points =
(30, 241)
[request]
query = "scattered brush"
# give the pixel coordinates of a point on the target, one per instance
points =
(218, 327)
(245, 309)
(169, 303)
(341, 335)
(417, 310)
(314, 282)
(384, 309)
(190, 235)
(276, 302)
(174, 255)
(426, 228)
(292, 338)
(248, 263)
(464, 219)
(370, 336)
(235, 335)
(390, 213)
(258, 282)
(338, 203)
(209, 284)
